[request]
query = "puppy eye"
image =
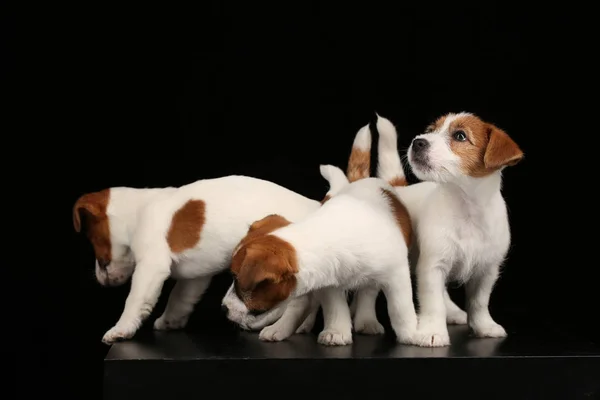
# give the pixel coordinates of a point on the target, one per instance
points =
(460, 136)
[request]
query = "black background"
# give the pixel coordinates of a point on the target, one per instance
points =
(102, 96)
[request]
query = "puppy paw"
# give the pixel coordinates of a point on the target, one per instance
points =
(458, 317)
(431, 339)
(408, 337)
(273, 333)
(489, 330)
(368, 327)
(119, 332)
(167, 323)
(332, 337)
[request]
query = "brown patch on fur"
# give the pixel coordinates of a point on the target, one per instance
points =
(437, 124)
(89, 215)
(325, 199)
(401, 214)
(398, 181)
(264, 272)
(359, 165)
(487, 148)
(186, 226)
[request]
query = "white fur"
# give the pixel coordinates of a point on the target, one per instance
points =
(353, 242)
(139, 221)
(463, 235)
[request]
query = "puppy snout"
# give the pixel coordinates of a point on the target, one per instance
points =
(420, 145)
(103, 263)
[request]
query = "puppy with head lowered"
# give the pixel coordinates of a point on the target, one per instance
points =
(300, 314)
(463, 229)
(358, 238)
(187, 233)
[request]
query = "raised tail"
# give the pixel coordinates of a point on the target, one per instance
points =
(389, 167)
(336, 178)
(359, 164)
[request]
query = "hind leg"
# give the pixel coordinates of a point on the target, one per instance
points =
(454, 314)
(365, 316)
(183, 298)
(337, 330)
(398, 292)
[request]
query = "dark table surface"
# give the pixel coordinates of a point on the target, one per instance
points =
(180, 345)
(534, 361)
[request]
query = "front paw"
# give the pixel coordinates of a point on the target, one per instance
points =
(431, 339)
(167, 323)
(333, 337)
(274, 333)
(368, 327)
(432, 332)
(488, 330)
(119, 332)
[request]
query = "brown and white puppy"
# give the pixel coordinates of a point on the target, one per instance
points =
(187, 233)
(358, 238)
(463, 229)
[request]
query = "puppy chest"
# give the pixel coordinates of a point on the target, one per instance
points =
(476, 245)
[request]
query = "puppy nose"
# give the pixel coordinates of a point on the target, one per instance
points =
(420, 144)
(102, 263)
(224, 308)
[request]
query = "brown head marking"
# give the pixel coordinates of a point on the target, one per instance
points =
(89, 216)
(186, 226)
(486, 149)
(264, 271)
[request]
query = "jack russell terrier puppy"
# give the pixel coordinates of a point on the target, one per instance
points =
(358, 238)
(462, 226)
(187, 233)
(300, 314)
(458, 216)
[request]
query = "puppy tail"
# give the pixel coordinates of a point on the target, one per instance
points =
(336, 178)
(359, 164)
(389, 167)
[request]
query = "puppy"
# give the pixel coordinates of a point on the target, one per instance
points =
(389, 168)
(187, 233)
(300, 315)
(358, 238)
(463, 229)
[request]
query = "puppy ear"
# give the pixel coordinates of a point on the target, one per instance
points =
(260, 266)
(91, 205)
(268, 224)
(501, 150)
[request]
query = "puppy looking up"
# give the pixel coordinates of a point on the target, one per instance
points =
(389, 168)
(358, 238)
(187, 233)
(463, 229)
